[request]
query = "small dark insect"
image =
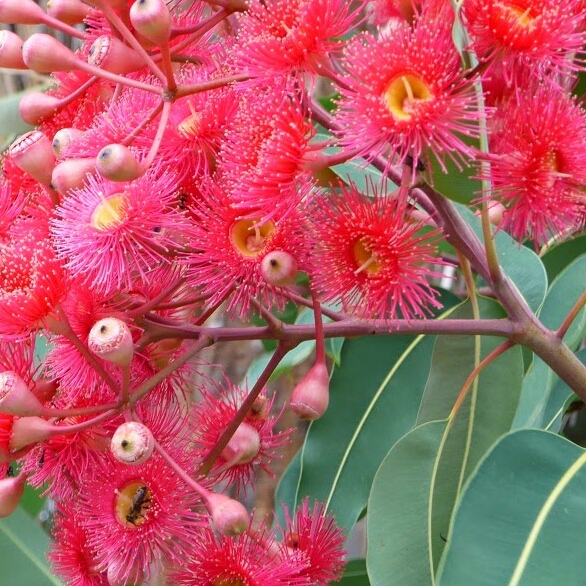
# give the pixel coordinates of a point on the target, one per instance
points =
(10, 472)
(140, 504)
(443, 538)
(409, 161)
(41, 459)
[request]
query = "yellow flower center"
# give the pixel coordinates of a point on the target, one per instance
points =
(403, 93)
(110, 212)
(365, 259)
(524, 19)
(132, 504)
(249, 237)
(189, 126)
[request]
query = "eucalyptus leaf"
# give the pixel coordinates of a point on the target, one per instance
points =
(521, 519)
(23, 544)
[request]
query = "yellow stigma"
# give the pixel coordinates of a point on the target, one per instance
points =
(524, 19)
(365, 259)
(403, 93)
(189, 126)
(110, 212)
(249, 237)
(132, 504)
(230, 581)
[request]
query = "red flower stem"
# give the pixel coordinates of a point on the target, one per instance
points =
(275, 324)
(141, 390)
(63, 27)
(118, 24)
(61, 326)
(333, 315)
(347, 328)
(320, 341)
(181, 473)
(77, 427)
(231, 428)
(143, 123)
(561, 332)
(158, 136)
(156, 301)
(75, 411)
(196, 30)
(168, 68)
(230, 5)
(204, 86)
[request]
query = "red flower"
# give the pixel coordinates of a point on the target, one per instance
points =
(313, 537)
(110, 234)
(538, 162)
(283, 36)
(369, 255)
(406, 93)
(241, 560)
(536, 32)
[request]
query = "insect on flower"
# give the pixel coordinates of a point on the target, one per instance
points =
(141, 503)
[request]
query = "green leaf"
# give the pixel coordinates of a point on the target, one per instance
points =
(11, 124)
(363, 175)
(443, 462)
(453, 182)
(23, 545)
(521, 519)
(521, 265)
(355, 574)
(540, 379)
(399, 540)
(559, 257)
(374, 398)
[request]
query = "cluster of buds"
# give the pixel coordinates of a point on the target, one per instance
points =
(179, 167)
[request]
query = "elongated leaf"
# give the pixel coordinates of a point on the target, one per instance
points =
(11, 124)
(560, 256)
(22, 552)
(520, 264)
(540, 380)
(355, 574)
(521, 519)
(399, 540)
(485, 414)
(362, 174)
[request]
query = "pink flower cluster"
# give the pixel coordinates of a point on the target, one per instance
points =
(181, 165)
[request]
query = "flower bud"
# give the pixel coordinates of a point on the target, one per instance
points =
(11, 51)
(34, 107)
(310, 398)
(45, 54)
(111, 54)
(11, 489)
(44, 389)
(21, 12)
(243, 446)
(62, 139)
(117, 163)
(152, 20)
(68, 11)
(279, 268)
(71, 174)
(132, 443)
(16, 398)
(228, 515)
(32, 152)
(111, 340)
(29, 430)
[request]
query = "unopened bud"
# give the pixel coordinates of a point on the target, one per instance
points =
(243, 446)
(132, 443)
(71, 174)
(29, 430)
(11, 51)
(21, 12)
(68, 11)
(152, 20)
(117, 163)
(32, 152)
(44, 389)
(228, 515)
(279, 268)
(16, 398)
(310, 398)
(11, 489)
(45, 54)
(62, 139)
(34, 107)
(111, 54)
(111, 340)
